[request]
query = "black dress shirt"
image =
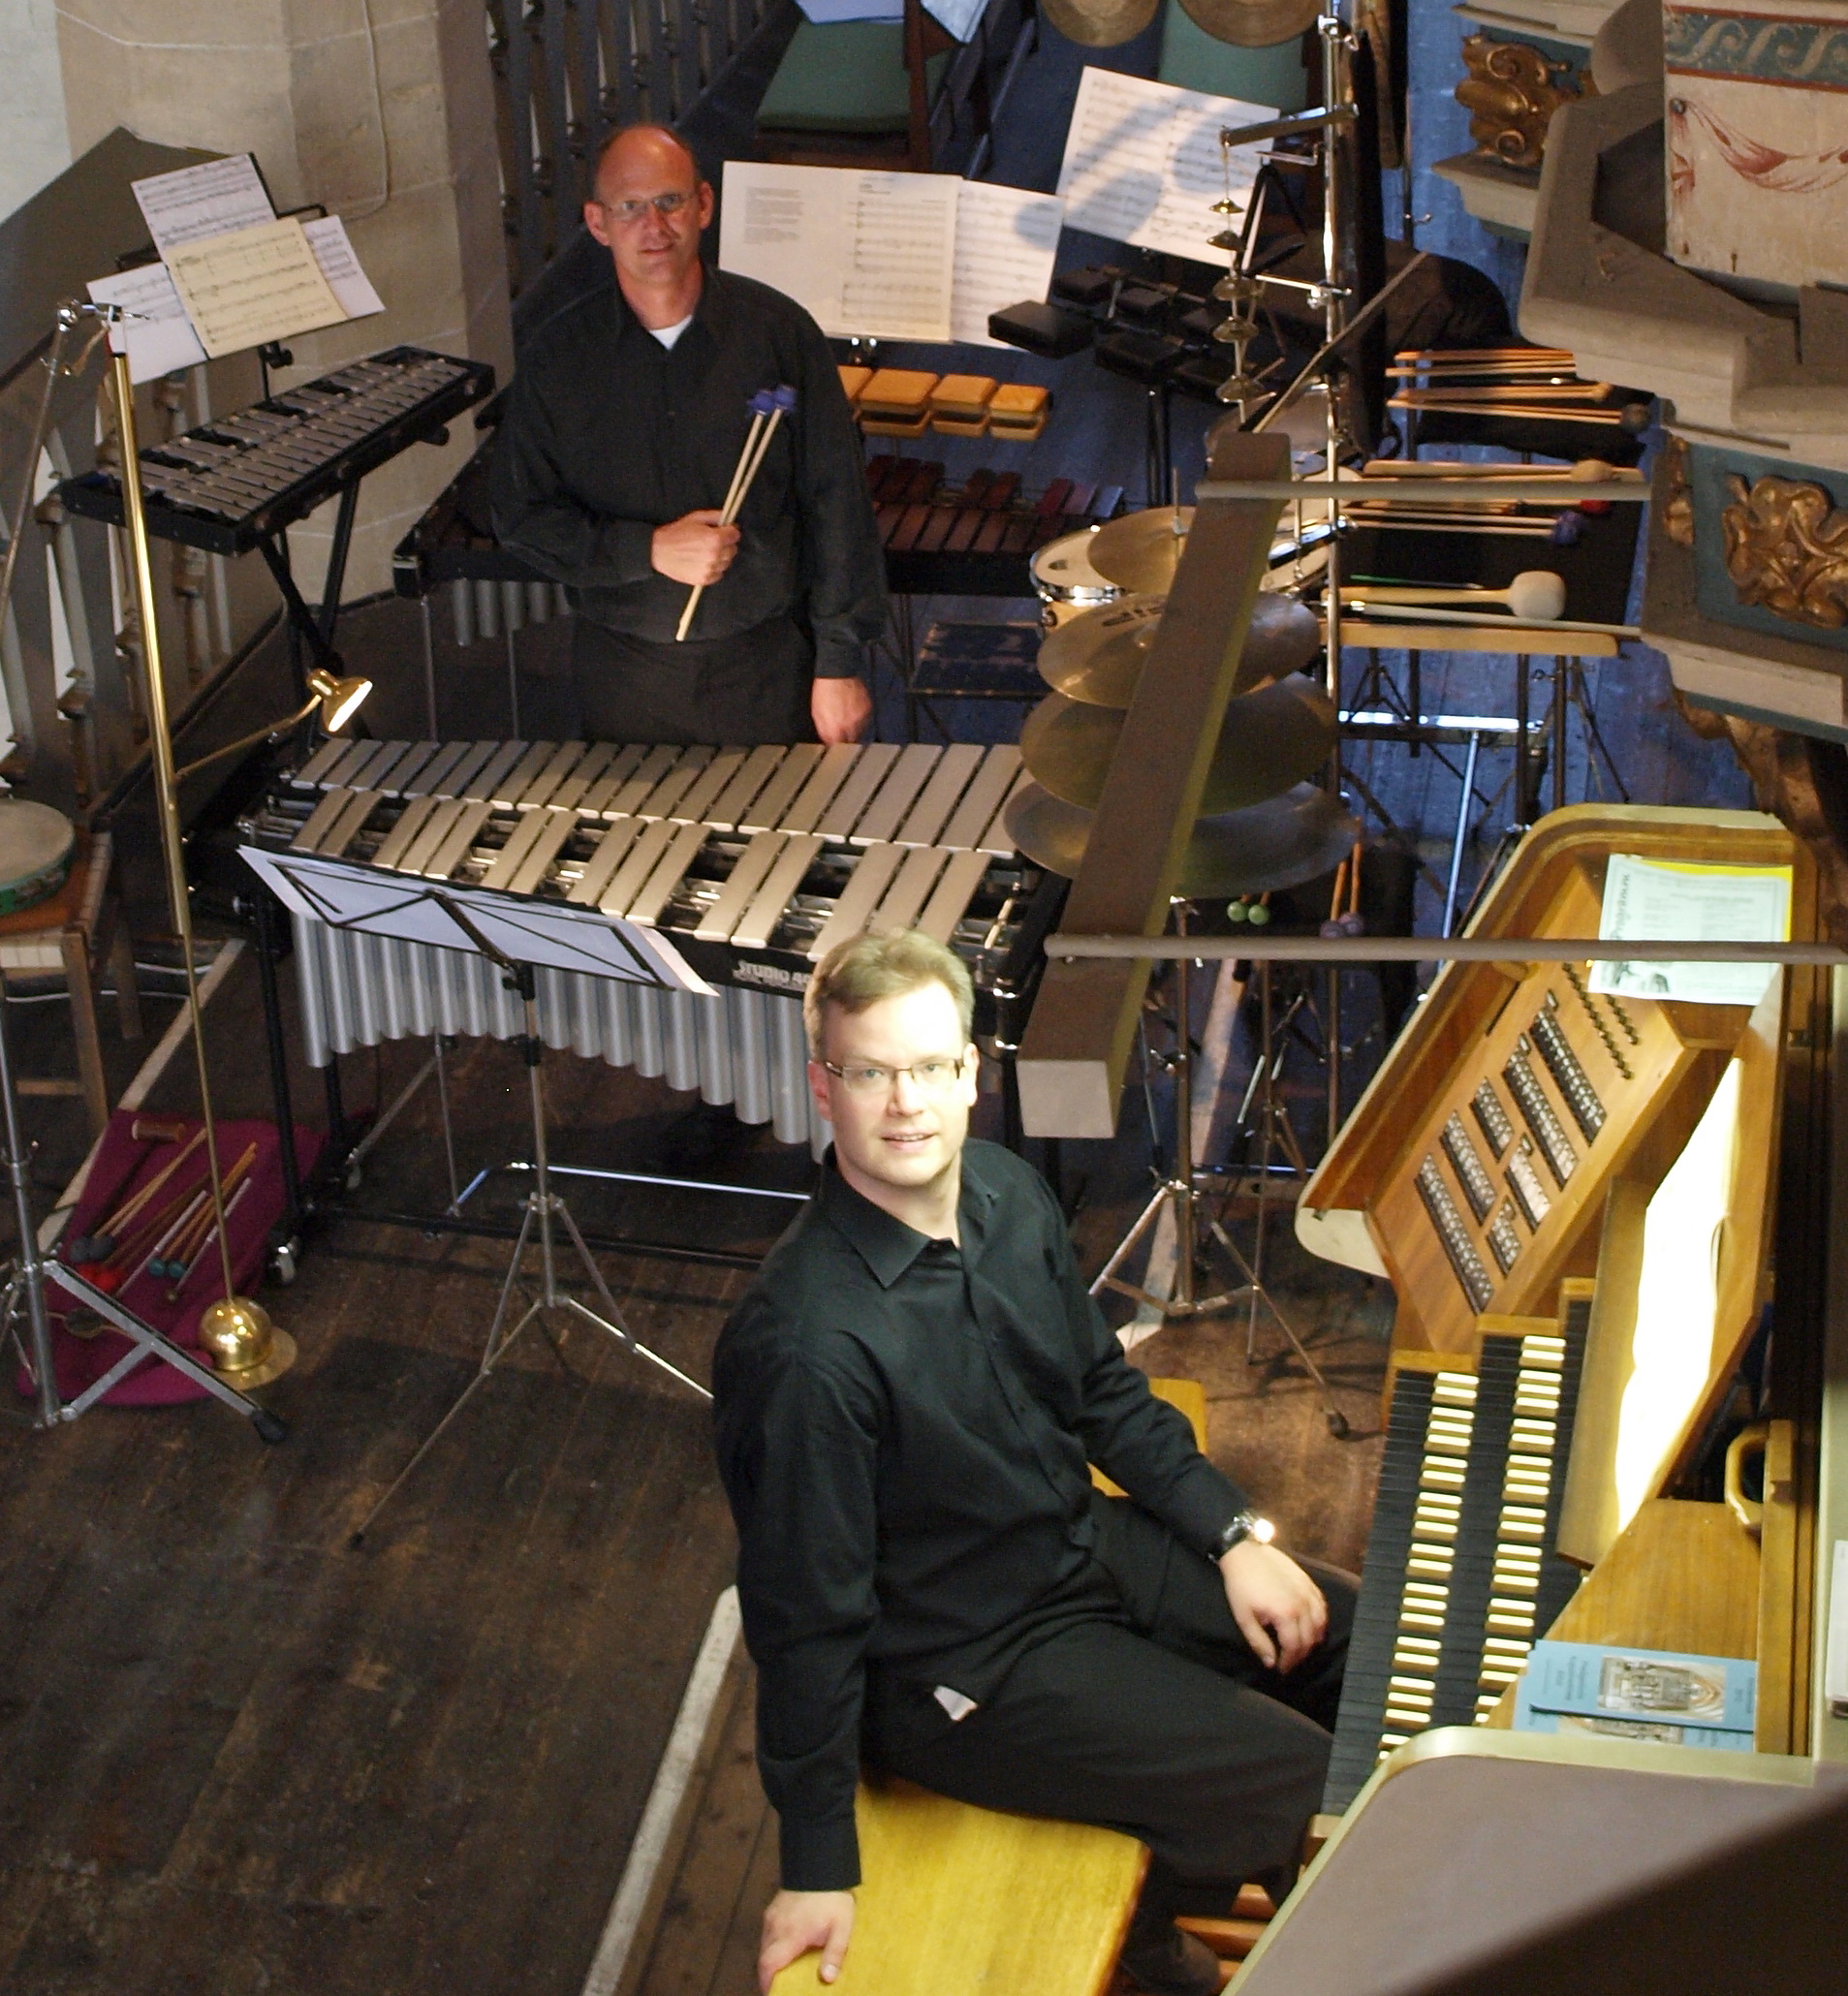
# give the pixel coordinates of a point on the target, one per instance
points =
(608, 435)
(903, 1431)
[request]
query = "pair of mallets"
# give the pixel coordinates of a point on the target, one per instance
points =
(767, 407)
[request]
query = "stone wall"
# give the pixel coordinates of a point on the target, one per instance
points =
(381, 110)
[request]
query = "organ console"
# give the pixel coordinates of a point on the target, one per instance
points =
(1495, 1172)
(753, 862)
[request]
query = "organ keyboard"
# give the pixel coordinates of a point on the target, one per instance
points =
(753, 861)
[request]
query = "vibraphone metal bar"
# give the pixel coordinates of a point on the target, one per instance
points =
(754, 861)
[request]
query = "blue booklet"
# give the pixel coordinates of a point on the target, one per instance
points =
(1651, 1687)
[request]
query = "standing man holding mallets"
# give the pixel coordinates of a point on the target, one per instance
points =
(636, 413)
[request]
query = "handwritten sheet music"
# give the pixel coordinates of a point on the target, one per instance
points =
(250, 286)
(198, 201)
(160, 337)
(1005, 241)
(1142, 163)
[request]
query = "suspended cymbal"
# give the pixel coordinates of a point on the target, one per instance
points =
(1253, 23)
(1141, 550)
(1100, 23)
(1270, 738)
(1098, 657)
(1276, 844)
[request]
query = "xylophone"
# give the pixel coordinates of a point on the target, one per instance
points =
(753, 861)
(230, 484)
(976, 538)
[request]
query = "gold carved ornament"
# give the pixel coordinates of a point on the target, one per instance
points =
(1511, 94)
(1677, 510)
(1787, 550)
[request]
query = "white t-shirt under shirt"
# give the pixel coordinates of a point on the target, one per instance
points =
(668, 335)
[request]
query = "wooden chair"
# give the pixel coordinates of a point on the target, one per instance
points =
(74, 934)
(958, 1899)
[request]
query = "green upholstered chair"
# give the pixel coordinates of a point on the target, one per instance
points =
(854, 90)
(1195, 60)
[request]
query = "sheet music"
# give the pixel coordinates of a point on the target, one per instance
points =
(350, 286)
(199, 201)
(251, 285)
(1005, 241)
(160, 338)
(901, 255)
(1662, 900)
(1142, 163)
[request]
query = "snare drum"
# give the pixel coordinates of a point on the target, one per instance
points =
(1065, 581)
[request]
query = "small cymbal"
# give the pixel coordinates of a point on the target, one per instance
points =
(1278, 844)
(1270, 740)
(1100, 23)
(1098, 657)
(1253, 23)
(1141, 550)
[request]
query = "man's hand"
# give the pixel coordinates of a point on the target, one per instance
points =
(1271, 1597)
(840, 709)
(694, 549)
(794, 1922)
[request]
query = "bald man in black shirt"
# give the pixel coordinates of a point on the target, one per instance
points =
(623, 426)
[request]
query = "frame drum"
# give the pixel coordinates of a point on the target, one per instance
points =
(36, 845)
(1065, 581)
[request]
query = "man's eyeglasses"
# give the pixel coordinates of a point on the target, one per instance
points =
(934, 1076)
(664, 204)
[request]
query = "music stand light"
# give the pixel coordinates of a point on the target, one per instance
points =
(338, 700)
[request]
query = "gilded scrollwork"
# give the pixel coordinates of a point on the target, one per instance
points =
(1511, 93)
(1787, 550)
(1677, 510)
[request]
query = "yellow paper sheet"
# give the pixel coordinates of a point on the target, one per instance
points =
(250, 286)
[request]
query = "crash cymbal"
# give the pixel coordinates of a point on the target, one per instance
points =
(1100, 23)
(1098, 657)
(1276, 844)
(1270, 738)
(1253, 23)
(1141, 550)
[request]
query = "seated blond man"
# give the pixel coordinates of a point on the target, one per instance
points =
(907, 1400)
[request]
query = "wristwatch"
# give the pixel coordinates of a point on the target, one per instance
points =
(1246, 1525)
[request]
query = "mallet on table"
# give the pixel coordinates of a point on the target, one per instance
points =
(769, 407)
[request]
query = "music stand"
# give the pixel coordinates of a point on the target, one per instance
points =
(519, 937)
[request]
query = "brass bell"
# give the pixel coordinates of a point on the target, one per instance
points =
(246, 1349)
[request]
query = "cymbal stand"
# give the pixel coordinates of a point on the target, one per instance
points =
(544, 1212)
(1179, 1196)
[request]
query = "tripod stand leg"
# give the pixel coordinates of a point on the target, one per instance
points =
(1125, 1247)
(614, 1322)
(1338, 1424)
(510, 1281)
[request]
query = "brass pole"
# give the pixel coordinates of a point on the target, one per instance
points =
(166, 792)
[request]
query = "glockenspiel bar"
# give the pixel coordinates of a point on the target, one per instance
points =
(405, 770)
(398, 840)
(619, 798)
(320, 822)
(340, 834)
(458, 782)
(637, 865)
(736, 798)
(747, 875)
(599, 868)
(324, 759)
(814, 797)
(600, 795)
(658, 890)
(507, 863)
(564, 759)
(486, 786)
(430, 779)
(952, 895)
(674, 784)
(543, 853)
(697, 802)
(765, 811)
(854, 908)
(988, 790)
(416, 856)
(596, 758)
(910, 889)
(759, 921)
(464, 828)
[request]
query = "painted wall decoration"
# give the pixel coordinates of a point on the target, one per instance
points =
(1770, 544)
(1757, 135)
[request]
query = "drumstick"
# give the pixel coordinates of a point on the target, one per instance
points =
(134, 1203)
(231, 1206)
(776, 403)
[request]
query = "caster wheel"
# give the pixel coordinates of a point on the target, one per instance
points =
(283, 1263)
(1337, 1426)
(355, 1176)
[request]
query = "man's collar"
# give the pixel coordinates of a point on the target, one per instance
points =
(705, 310)
(882, 1241)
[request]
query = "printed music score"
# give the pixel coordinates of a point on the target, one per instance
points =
(159, 338)
(1647, 900)
(1007, 239)
(1144, 165)
(205, 201)
(251, 285)
(889, 255)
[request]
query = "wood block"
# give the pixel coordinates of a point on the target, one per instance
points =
(1077, 1042)
(963, 395)
(902, 392)
(853, 380)
(957, 1899)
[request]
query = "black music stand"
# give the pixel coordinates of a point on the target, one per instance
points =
(518, 937)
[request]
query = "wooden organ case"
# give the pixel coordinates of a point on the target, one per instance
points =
(1498, 1171)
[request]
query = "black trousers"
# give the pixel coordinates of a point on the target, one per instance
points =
(1158, 1721)
(737, 690)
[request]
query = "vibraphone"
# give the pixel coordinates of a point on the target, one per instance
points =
(230, 484)
(975, 539)
(754, 863)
